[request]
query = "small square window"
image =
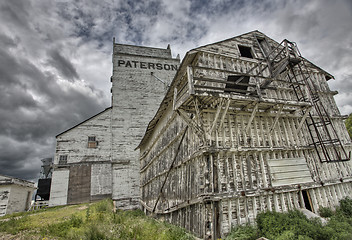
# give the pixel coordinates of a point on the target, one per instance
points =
(245, 51)
(92, 143)
(62, 159)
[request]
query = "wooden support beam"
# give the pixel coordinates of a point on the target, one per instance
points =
(257, 86)
(216, 116)
(232, 138)
(276, 118)
(171, 166)
(190, 80)
(198, 112)
(255, 109)
(251, 104)
(175, 99)
(224, 113)
(305, 115)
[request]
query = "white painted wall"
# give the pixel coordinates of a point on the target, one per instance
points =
(20, 199)
(74, 142)
(101, 179)
(137, 95)
(59, 187)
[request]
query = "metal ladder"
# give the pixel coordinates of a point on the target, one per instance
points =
(286, 59)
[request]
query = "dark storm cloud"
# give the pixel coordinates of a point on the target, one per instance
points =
(55, 56)
(14, 159)
(41, 91)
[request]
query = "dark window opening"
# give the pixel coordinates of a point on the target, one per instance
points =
(260, 39)
(91, 139)
(306, 200)
(232, 86)
(245, 51)
(63, 159)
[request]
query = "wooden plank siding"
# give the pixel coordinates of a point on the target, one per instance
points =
(242, 153)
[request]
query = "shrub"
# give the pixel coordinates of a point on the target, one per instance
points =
(346, 206)
(325, 212)
(348, 124)
(275, 225)
(245, 232)
(287, 235)
(176, 233)
(272, 224)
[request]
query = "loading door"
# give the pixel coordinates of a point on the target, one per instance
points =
(79, 184)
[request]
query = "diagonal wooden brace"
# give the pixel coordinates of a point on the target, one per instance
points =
(170, 168)
(192, 124)
(224, 113)
(216, 117)
(305, 115)
(255, 109)
(276, 118)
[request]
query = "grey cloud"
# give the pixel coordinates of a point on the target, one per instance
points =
(38, 100)
(15, 12)
(6, 41)
(63, 65)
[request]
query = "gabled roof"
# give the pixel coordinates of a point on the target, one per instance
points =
(7, 180)
(84, 121)
(232, 38)
(187, 60)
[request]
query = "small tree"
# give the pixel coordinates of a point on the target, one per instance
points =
(348, 124)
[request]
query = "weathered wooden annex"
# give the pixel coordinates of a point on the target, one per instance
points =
(15, 195)
(247, 125)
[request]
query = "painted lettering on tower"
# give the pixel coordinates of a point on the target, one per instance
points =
(146, 65)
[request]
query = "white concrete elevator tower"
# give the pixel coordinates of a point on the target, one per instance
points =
(141, 76)
(96, 159)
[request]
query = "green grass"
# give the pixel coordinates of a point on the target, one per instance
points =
(89, 222)
(294, 225)
(98, 222)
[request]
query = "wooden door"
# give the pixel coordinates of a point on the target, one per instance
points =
(79, 184)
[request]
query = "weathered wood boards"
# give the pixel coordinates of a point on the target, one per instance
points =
(247, 148)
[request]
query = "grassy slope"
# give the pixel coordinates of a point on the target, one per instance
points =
(87, 221)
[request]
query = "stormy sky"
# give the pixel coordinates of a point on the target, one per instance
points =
(55, 56)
